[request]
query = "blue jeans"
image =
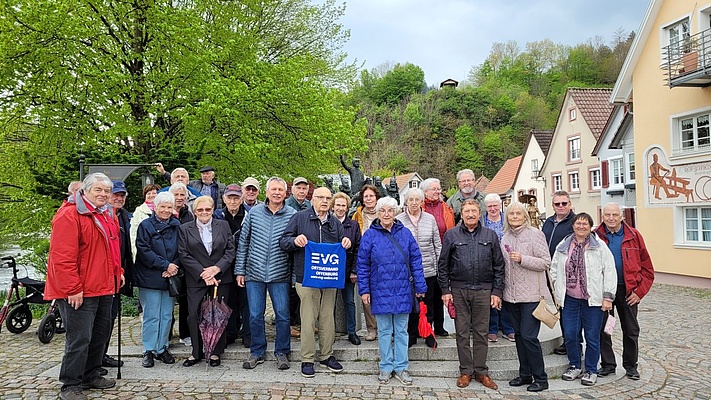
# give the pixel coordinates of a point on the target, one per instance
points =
(577, 315)
(496, 316)
(87, 331)
(157, 318)
(392, 359)
(348, 293)
(257, 300)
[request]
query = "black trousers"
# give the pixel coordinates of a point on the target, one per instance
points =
(195, 297)
(435, 310)
(627, 320)
(528, 348)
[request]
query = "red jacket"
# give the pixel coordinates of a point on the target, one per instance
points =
(637, 267)
(79, 256)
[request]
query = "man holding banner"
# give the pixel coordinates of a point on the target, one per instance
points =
(316, 239)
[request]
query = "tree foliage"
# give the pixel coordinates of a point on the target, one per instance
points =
(252, 87)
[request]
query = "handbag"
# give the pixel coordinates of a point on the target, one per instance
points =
(451, 310)
(543, 313)
(175, 283)
(610, 324)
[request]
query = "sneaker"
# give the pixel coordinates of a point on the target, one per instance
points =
(332, 364)
(72, 393)
(560, 350)
(99, 383)
(166, 357)
(404, 377)
(605, 371)
(492, 337)
(632, 373)
(384, 377)
(589, 379)
(148, 360)
(511, 337)
(370, 336)
(282, 361)
(188, 341)
(572, 374)
(307, 370)
(103, 371)
(252, 362)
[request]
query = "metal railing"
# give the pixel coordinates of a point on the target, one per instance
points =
(688, 61)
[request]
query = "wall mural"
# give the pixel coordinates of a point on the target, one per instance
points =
(678, 183)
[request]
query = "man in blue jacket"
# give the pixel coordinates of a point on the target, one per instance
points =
(262, 266)
(315, 224)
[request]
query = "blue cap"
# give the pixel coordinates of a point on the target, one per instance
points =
(119, 187)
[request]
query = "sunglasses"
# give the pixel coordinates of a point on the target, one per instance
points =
(251, 189)
(561, 204)
(201, 210)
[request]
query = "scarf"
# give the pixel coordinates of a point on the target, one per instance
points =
(368, 218)
(575, 267)
(205, 234)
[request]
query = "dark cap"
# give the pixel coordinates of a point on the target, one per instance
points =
(233, 189)
(300, 180)
(119, 187)
(206, 168)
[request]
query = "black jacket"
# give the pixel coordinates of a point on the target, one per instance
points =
(157, 247)
(351, 230)
(471, 260)
(307, 223)
(556, 233)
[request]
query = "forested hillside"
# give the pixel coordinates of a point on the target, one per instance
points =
(484, 121)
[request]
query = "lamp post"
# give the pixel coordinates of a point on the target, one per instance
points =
(147, 179)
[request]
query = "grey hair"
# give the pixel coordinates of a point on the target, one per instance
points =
(492, 198)
(465, 171)
(425, 185)
(74, 186)
(93, 179)
(179, 169)
(613, 204)
(178, 186)
(516, 204)
(164, 197)
(387, 202)
(278, 180)
(413, 192)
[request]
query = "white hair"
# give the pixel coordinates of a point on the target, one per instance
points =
(424, 185)
(413, 192)
(492, 198)
(164, 197)
(93, 179)
(178, 186)
(179, 169)
(387, 202)
(465, 171)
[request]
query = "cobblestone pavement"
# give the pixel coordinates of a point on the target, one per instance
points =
(675, 359)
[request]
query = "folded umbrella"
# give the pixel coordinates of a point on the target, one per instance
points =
(214, 315)
(424, 327)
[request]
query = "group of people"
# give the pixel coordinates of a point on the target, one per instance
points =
(490, 265)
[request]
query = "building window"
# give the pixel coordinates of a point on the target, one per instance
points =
(595, 179)
(557, 182)
(572, 114)
(630, 167)
(534, 167)
(519, 194)
(414, 184)
(574, 181)
(697, 224)
(617, 172)
(676, 34)
(695, 132)
(574, 149)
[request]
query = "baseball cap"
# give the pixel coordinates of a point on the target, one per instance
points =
(233, 189)
(119, 187)
(251, 182)
(206, 168)
(300, 180)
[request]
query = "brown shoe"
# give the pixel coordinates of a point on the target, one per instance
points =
(464, 380)
(487, 382)
(295, 332)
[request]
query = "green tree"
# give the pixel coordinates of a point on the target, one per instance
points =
(403, 80)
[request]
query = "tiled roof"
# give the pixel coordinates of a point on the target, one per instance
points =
(543, 137)
(595, 107)
(402, 180)
(504, 179)
(481, 184)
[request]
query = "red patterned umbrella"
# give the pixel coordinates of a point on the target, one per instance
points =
(214, 315)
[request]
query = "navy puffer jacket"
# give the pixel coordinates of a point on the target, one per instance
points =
(156, 248)
(383, 271)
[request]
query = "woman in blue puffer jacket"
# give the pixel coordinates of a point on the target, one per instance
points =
(389, 264)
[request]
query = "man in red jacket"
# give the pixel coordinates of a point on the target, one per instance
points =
(635, 275)
(83, 272)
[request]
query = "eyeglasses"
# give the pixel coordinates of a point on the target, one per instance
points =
(466, 181)
(561, 204)
(251, 189)
(386, 211)
(435, 189)
(323, 197)
(202, 210)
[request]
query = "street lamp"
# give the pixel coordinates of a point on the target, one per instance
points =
(147, 179)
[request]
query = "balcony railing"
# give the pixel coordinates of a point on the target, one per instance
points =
(688, 62)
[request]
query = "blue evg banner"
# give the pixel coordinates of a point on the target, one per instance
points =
(324, 265)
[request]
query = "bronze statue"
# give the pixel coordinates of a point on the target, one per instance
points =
(357, 176)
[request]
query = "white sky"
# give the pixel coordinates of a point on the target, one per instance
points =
(447, 37)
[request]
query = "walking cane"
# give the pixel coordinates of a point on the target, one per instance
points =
(118, 294)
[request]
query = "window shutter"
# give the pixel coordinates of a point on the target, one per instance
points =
(604, 171)
(629, 217)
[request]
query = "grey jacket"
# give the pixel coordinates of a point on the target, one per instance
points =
(259, 257)
(426, 234)
(456, 203)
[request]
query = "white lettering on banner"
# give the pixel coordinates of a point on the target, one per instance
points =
(323, 259)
